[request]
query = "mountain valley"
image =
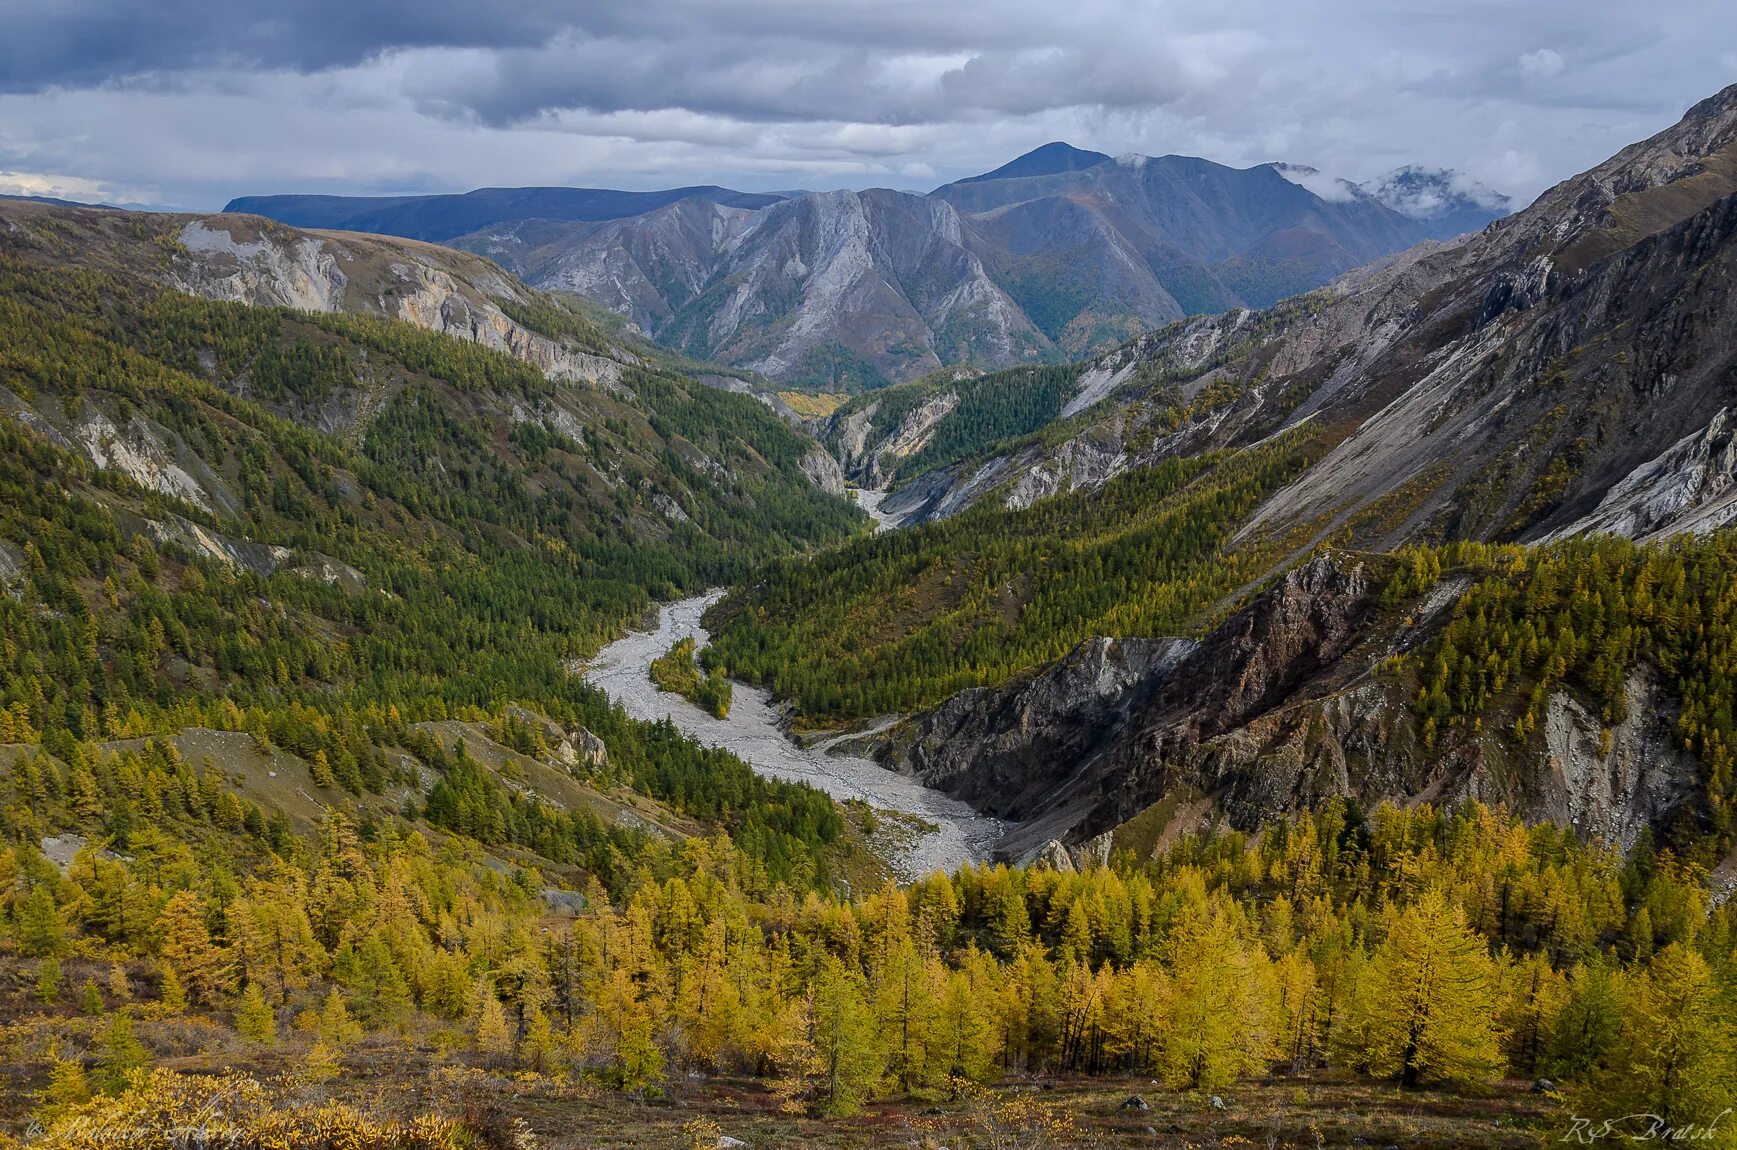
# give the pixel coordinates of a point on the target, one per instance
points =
(1538, 382)
(1111, 652)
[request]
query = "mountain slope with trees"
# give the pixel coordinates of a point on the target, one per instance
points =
(1501, 387)
(1566, 372)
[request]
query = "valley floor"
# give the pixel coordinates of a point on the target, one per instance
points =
(922, 830)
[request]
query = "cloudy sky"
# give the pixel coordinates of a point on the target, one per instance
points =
(186, 103)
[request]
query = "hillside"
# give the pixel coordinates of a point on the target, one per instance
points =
(1241, 482)
(311, 835)
(1495, 388)
(292, 522)
(1346, 688)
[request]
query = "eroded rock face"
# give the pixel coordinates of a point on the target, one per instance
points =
(577, 748)
(1280, 708)
(823, 471)
(588, 749)
(1615, 784)
(287, 272)
(1692, 487)
(999, 747)
(887, 276)
(239, 259)
(153, 457)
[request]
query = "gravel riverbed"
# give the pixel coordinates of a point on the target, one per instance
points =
(752, 733)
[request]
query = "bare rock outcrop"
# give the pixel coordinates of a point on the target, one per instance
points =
(1279, 708)
(997, 746)
(823, 471)
(251, 261)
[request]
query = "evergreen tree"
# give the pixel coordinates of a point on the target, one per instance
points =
(1680, 1042)
(122, 1053)
(335, 1027)
(68, 1086)
(845, 1041)
(255, 1021)
(41, 928)
(186, 948)
(489, 1032)
(1220, 1004)
(1429, 998)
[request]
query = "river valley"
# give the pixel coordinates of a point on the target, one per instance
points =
(751, 732)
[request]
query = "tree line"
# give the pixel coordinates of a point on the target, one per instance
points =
(1423, 945)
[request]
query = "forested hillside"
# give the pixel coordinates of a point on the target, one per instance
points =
(952, 418)
(900, 621)
(1244, 481)
(186, 545)
(1368, 796)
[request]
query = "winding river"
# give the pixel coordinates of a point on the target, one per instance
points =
(751, 732)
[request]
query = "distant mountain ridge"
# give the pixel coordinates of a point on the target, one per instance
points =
(1058, 253)
(1447, 198)
(443, 217)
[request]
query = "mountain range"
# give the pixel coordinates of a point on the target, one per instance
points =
(1059, 252)
(1330, 674)
(1246, 480)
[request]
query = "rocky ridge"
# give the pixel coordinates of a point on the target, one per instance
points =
(1048, 257)
(247, 260)
(1127, 743)
(1568, 370)
(1504, 385)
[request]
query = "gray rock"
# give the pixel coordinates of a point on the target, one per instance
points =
(995, 746)
(823, 471)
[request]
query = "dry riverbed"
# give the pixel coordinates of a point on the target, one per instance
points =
(752, 733)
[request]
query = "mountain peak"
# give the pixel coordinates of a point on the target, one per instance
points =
(1051, 159)
(1329, 188)
(1421, 193)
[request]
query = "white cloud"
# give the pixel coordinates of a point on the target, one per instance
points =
(1330, 188)
(1543, 64)
(64, 187)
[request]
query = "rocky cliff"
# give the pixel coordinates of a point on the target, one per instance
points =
(253, 261)
(1125, 744)
(841, 290)
(1000, 748)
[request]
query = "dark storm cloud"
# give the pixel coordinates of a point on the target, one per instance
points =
(761, 60)
(189, 101)
(73, 43)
